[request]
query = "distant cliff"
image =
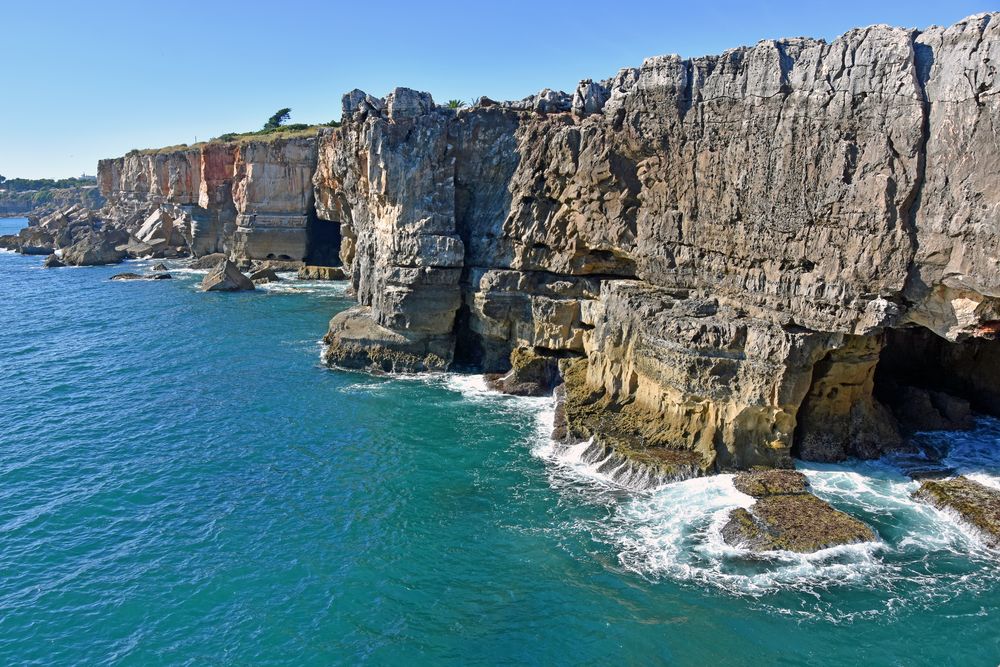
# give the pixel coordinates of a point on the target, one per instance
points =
(711, 254)
(19, 196)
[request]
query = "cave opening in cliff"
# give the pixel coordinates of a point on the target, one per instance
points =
(322, 241)
(931, 383)
(870, 393)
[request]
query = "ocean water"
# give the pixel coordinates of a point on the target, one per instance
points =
(182, 482)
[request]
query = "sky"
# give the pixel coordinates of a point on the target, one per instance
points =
(86, 80)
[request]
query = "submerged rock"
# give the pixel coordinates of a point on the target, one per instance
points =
(226, 278)
(977, 504)
(136, 276)
(787, 517)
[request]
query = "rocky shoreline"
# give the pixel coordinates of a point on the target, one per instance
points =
(718, 264)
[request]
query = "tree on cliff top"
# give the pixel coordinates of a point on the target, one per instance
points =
(278, 119)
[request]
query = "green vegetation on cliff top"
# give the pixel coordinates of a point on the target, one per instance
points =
(274, 129)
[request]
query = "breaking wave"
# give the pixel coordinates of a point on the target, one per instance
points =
(674, 530)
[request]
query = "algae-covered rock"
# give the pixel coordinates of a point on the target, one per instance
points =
(762, 483)
(625, 429)
(977, 504)
(532, 373)
(787, 517)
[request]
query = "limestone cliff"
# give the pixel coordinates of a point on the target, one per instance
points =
(721, 241)
(728, 260)
(252, 199)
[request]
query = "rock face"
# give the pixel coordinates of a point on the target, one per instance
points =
(978, 505)
(726, 244)
(719, 257)
(251, 200)
(786, 517)
(226, 277)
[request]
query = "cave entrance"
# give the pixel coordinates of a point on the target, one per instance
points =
(931, 383)
(869, 394)
(322, 241)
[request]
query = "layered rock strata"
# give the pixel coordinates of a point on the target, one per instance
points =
(723, 242)
(252, 200)
(719, 258)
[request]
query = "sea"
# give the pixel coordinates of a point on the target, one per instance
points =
(183, 482)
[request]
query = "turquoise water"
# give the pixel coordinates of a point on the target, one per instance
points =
(181, 482)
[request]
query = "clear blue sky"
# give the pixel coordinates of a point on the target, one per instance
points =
(85, 80)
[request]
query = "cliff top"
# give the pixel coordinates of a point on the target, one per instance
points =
(297, 131)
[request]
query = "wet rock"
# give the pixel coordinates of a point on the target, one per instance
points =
(919, 409)
(137, 276)
(786, 517)
(263, 276)
(760, 484)
(225, 277)
(52, 262)
(977, 504)
(354, 340)
(10, 242)
(208, 261)
(321, 273)
(626, 430)
(160, 267)
(532, 373)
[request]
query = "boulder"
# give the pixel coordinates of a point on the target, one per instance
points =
(160, 267)
(34, 240)
(977, 504)
(52, 262)
(787, 517)
(263, 276)
(208, 261)
(322, 273)
(225, 277)
(10, 242)
(94, 249)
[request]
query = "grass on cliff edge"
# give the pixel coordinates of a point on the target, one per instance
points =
(293, 131)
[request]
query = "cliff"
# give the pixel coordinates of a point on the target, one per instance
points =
(726, 261)
(250, 199)
(721, 242)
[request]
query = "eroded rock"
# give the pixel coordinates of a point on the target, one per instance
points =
(264, 276)
(978, 505)
(786, 517)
